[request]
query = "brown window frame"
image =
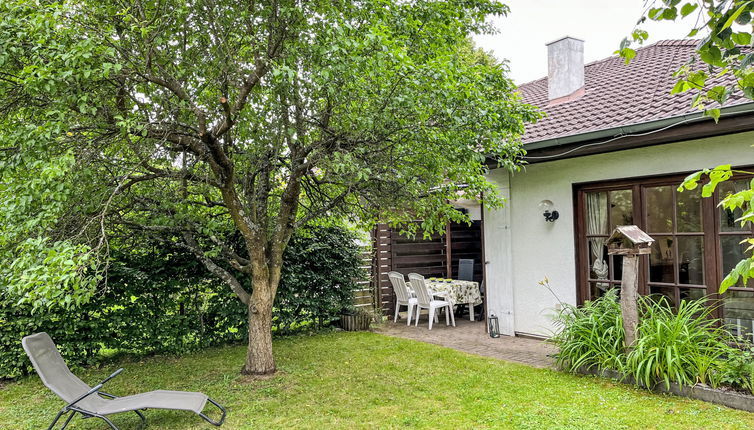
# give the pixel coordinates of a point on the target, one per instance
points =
(712, 262)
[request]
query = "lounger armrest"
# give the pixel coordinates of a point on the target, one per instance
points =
(116, 373)
(83, 396)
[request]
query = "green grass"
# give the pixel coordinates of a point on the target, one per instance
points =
(366, 380)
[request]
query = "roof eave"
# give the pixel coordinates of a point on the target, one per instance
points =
(633, 129)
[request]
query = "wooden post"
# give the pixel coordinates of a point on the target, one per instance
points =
(484, 264)
(630, 242)
(376, 283)
(448, 252)
(629, 291)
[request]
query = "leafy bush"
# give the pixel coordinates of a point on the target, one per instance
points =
(319, 277)
(685, 345)
(161, 300)
(738, 370)
(164, 301)
(591, 335)
(77, 332)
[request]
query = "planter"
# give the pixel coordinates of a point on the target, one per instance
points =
(355, 322)
(729, 398)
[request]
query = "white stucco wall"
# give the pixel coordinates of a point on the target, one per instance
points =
(521, 248)
(473, 208)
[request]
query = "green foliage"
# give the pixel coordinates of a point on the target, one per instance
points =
(155, 301)
(738, 370)
(726, 26)
(80, 336)
(684, 345)
(163, 300)
(160, 300)
(319, 277)
(39, 262)
(591, 336)
(46, 275)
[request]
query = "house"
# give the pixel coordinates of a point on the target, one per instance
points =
(612, 150)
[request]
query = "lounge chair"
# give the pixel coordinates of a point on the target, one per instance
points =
(90, 402)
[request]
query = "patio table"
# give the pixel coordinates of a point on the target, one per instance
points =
(458, 291)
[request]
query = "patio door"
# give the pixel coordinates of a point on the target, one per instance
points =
(696, 243)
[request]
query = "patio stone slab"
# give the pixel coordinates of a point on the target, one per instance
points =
(472, 338)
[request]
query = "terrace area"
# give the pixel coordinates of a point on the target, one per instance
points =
(471, 337)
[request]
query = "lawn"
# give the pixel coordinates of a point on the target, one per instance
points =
(367, 380)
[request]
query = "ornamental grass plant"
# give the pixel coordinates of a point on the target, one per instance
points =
(591, 336)
(684, 345)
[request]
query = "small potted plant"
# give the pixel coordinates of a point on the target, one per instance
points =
(356, 318)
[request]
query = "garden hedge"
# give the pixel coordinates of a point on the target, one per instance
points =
(161, 300)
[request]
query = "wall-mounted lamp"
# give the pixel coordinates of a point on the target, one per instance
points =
(546, 207)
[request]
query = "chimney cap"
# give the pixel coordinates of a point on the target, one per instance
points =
(563, 38)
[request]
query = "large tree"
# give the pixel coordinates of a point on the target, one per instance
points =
(221, 126)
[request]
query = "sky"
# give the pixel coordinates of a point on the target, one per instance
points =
(602, 24)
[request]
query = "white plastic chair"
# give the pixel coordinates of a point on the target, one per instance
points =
(402, 296)
(424, 300)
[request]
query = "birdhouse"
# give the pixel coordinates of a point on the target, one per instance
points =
(629, 240)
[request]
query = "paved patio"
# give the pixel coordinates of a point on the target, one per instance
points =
(471, 337)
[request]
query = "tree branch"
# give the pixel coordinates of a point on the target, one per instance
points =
(190, 243)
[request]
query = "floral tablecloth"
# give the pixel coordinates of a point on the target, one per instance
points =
(458, 291)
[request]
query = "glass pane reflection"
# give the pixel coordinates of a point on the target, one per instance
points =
(621, 208)
(728, 218)
(738, 308)
(689, 211)
(659, 206)
(661, 266)
(690, 260)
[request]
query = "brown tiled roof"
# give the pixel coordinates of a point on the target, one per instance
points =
(617, 94)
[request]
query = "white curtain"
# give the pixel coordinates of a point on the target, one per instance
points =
(596, 223)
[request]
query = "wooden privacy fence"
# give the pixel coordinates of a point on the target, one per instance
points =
(364, 295)
(436, 256)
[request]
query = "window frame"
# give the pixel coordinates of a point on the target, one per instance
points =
(713, 272)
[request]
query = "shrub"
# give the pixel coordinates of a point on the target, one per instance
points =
(685, 345)
(322, 265)
(161, 300)
(738, 370)
(77, 332)
(591, 336)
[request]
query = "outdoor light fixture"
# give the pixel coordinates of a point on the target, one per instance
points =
(494, 326)
(546, 207)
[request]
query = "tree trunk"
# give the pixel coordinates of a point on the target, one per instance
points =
(628, 298)
(259, 359)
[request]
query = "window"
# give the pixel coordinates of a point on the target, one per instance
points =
(676, 264)
(696, 243)
(738, 301)
(605, 210)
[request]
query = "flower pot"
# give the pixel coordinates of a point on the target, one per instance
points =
(355, 322)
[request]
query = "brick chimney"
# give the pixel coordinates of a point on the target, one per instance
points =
(565, 67)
